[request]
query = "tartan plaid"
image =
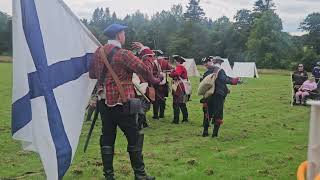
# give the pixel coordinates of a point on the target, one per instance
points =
(124, 63)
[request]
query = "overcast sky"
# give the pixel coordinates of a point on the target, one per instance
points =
(292, 12)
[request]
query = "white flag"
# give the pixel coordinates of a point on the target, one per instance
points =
(52, 50)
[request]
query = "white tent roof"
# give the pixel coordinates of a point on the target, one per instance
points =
(245, 69)
(191, 67)
(227, 68)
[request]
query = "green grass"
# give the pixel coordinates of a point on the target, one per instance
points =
(262, 138)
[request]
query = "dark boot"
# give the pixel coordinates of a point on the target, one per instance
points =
(107, 153)
(184, 111)
(215, 130)
(176, 113)
(155, 110)
(162, 108)
(136, 159)
(137, 164)
(205, 132)
(205, 127)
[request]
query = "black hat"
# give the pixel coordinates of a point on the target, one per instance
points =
(206, 59)
(158, 52)
(179, 58)
(218, 58)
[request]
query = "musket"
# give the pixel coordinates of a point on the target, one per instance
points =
(95, 117)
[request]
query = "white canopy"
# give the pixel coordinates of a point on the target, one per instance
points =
(245, 69)
(191, 67)
(227, 68)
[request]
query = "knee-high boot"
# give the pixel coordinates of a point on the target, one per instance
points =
(176, 113)
(155, 110)
(217, 124)
(162, 104)
(184, 111)
(107, 153)
(136, 158)
(206, 124)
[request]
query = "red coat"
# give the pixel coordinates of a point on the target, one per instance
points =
(179, 94)
(180, 71)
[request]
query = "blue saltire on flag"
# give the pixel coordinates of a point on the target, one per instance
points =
(51, 86)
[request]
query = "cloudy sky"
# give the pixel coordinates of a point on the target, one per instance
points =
(292, 12)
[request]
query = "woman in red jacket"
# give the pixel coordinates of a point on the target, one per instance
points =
(178, 90)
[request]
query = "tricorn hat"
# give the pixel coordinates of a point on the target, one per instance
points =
(218, 58)
(178, 58)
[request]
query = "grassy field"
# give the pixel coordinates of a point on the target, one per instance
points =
(262, 138)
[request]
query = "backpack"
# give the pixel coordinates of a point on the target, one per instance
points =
(207, 85)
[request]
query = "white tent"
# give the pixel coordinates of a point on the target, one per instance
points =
(191, 67)
(245, 69)
(227, 68)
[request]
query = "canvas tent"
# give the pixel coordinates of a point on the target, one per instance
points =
(245, 69)
(227, 68)
(191, 67)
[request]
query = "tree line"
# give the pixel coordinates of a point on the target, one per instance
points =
(5, 34)
(252, 35)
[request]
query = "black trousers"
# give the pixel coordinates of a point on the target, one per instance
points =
(158, 108)
(206, 118)
(112, 117)
(176, 111)
(215, 106)
(215, 111)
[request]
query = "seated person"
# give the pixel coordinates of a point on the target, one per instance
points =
(316, 72)
(305, 89)
(298, 77)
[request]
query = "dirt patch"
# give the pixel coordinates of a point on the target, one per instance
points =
(5, 59)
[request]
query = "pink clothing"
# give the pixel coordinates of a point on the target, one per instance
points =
(309, 86)
(304, 90)
(302, 95)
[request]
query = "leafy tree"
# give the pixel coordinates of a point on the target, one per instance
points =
(253, 36)
(312, 24)
(263, 6)
(194, 11)
(265, 44)
(5, 34)
(309, 58)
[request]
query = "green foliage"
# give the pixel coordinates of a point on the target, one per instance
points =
(194, 11)
(263, 5)
(267, 44)
(312, 25)
(309, 58)
(251, 36)
(5, 34)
